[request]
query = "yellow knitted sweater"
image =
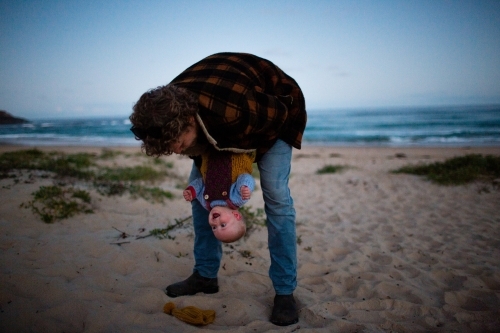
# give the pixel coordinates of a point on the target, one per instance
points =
(240, 163)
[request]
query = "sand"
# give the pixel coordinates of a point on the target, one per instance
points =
(378, 252)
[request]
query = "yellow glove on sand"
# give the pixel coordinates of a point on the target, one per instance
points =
(190, 314)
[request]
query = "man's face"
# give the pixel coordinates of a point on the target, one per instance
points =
(192, 142)
(185, 141)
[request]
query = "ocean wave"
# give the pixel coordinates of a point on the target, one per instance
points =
(390, 127)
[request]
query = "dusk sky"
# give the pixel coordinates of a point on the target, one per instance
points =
(95, 58)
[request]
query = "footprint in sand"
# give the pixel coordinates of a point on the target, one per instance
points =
(409, 271)
(464, 300)
(389, 290)
(422, 258)
(491, 282)
(320, 315)
(380, 259)
(448, 280)
(314, 284)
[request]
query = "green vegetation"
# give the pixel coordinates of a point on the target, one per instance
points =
(57, 202)
(108, 154)
(93, 171)
(458, 170)
(130, 174)
(253, 219)
(75, 165)
(164, 232)
(331, 169)
(246, 254)
(151, 194)
(161, 162)
(255, 171)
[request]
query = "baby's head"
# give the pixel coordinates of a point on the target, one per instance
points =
(227, 224)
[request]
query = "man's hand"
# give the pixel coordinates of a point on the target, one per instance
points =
(187, 195)
(245, 192)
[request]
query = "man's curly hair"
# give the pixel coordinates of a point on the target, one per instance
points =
(165, 111)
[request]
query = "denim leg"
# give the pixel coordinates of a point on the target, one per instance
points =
(207, 248)
(274, 170)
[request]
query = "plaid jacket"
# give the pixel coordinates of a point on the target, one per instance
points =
(245, 102)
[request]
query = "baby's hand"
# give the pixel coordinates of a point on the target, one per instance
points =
(245, 192)
(187, 195)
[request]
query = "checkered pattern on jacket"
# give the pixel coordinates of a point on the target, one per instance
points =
(246, 101)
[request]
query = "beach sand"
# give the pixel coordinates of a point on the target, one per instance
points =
(377, 252)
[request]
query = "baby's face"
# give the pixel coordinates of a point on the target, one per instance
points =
(225, 222)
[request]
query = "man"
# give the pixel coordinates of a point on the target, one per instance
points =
(239, 103)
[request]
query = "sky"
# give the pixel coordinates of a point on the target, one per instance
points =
(71, 58)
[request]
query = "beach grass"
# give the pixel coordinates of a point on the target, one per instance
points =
(253, 218)
(59, 202)
(151, 194)
(73, 165)
(331, 169)
(164, 233)
(131, 174)
(457, 170)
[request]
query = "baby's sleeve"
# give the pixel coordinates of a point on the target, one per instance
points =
(244, 179)
(197, 187)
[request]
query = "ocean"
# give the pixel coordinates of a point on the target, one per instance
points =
(393, 127)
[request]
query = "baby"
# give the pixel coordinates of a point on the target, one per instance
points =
(226, 221)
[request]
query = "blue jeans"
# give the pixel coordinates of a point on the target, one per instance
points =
(274, 168)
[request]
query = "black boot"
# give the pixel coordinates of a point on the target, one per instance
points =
(284, 311)
(192, 285)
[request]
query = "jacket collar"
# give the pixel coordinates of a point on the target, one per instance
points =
(213, 142)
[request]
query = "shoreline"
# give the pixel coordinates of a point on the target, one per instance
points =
(484, 147)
